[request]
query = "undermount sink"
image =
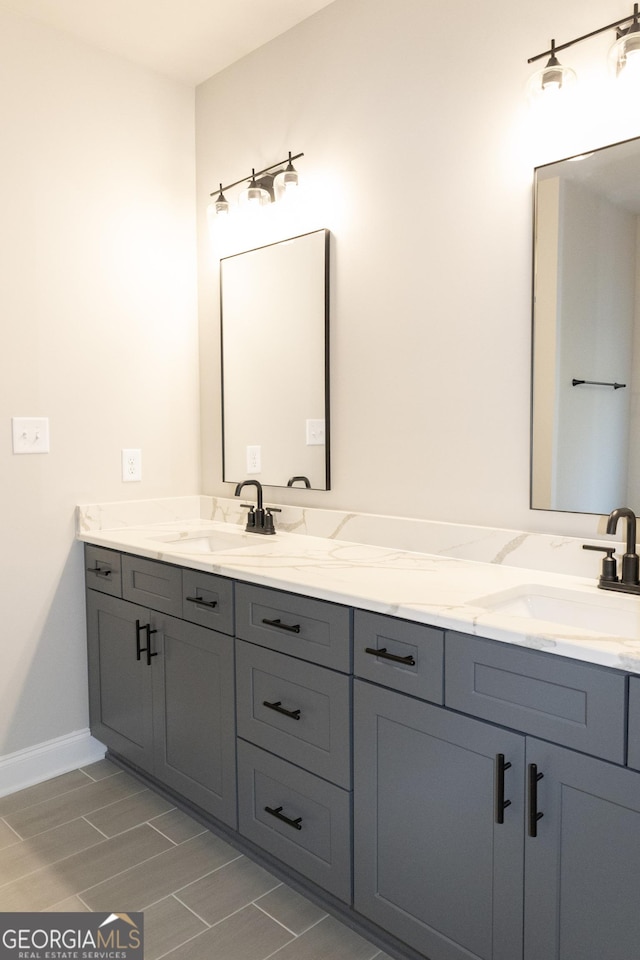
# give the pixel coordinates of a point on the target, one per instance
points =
(617, 616)
(207, 541)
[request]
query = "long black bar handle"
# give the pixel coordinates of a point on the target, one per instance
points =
(277, 706)
(382, 653)
(100, 571)
(139, 648)
(291, 627)
(500, 803)
(534, 813)
(148, 647)
(277, 812)
(202, 602)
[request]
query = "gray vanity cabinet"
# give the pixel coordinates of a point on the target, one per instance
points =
(161, 689)
(431, 864)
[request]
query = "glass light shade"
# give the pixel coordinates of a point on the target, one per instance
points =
(220, 204)
(286, 182)
(624, 56)
(551, 81)
(253, 195)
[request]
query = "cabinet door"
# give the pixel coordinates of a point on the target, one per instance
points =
(120, 688)
(583, 868)
(431, 864)
(194, 716)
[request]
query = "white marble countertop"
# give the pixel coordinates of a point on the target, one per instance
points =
(433, 589)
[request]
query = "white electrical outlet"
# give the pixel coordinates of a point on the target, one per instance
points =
(254, 459)
(30, 434)
(315, 432)
(131, 465)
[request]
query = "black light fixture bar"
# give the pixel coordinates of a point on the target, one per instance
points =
(257, 174)
(563, 46)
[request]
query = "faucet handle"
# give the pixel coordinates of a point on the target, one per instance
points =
(268, 520)
(251, 516)
(609, 567)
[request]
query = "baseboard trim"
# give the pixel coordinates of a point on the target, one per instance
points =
(46, 760)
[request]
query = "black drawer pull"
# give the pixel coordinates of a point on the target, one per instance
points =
(291, 627)
(382, 653)
(296, 824)
(534, 814)
(500, 803)
(277, 706)
(202, 602)
(99, 571)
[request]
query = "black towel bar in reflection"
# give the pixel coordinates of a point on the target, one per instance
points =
(598, 383)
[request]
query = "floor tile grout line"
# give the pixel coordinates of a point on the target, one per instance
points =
(93, 826)
(233, 914)
(177, 842)
(194, 912)
(275, 919)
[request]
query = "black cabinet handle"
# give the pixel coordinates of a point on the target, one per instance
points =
(277, 706)
(291, 627)
(500, 803)
(296, 824)
(202, 602)
(139, 648)
(148, 648)
(382, 653)
(534, 814)
(99, 571)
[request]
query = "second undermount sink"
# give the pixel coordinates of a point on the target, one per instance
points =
(207, 541)
(616, 616)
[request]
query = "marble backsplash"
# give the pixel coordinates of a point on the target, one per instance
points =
(514, 548)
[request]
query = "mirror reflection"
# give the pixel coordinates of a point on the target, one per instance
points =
(274, 304)
(586, 337)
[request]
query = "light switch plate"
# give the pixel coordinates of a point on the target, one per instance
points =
(30, 434)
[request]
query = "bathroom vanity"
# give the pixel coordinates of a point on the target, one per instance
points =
(469, 796)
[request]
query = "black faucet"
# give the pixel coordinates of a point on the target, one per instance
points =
(629, 581)
(259, 520)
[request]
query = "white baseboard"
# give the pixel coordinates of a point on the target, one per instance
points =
(47, 760)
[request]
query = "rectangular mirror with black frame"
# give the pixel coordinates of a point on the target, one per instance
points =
(585, 454)
(274, 306)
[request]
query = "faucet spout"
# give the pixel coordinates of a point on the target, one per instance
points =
(630, 560)
(251, 483)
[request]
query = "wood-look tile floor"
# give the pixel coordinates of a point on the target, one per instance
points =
(98, 839)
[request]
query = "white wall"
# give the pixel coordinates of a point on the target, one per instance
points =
(99, 333)
(416, 118)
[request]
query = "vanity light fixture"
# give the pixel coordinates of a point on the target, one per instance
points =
(624, 56)
(272, 183)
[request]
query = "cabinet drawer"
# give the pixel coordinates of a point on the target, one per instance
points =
(634, 723)
(208, 600)
(310, 629)
(103, 570)
(309, 827)
(575, 704)
(314, 731)
(409, 656)
(157, 585)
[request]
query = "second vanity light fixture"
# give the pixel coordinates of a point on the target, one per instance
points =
(624, 57)
(266, 186)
